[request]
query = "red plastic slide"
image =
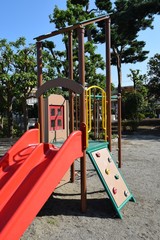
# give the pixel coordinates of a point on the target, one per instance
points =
(29, 174)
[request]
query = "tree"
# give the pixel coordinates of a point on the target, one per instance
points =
(154, 77)
(77, 12)
(25, 77)
(6, 80)
(136, 102)
(127, 19)
(18, 76)
(139, 81)
(133, 106)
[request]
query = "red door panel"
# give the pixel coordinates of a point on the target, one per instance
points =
(56, 121)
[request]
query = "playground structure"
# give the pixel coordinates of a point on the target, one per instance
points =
(97, 113)
(31, 169)
(80, 27)
(56, 118)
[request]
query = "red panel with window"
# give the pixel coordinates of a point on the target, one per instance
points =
(56, 117)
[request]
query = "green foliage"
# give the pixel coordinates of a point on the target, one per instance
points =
(133, 106)
(127, 19)
(154, 77)
(18, 77)
(94, 64)
(73, 14)
(54, 61)
(147, 107)
(25, 75)
(81, 2)
(104, 5)
(136, 102)
(139, 83)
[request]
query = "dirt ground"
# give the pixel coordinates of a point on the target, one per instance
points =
(61, 218)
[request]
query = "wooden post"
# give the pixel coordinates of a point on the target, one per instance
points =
(82, 114)
(40, 99)
(119, 131)
(108, 82)
(71, 97)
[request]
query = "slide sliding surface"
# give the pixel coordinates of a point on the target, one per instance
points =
(28, 139)
(46, 167)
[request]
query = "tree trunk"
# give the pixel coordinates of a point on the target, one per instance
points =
(25, 114)
(119, 71)
(9, 115)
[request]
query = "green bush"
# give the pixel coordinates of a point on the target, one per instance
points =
(133, 106)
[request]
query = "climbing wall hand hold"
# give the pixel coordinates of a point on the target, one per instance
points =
(125, 193)
(114, 190)
(116, 176)
(98, 154)
(107, 171)
(109, 160)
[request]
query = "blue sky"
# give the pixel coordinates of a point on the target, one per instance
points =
(30, 18)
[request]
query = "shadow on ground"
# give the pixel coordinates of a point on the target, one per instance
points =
(144, 133)
(55, 205)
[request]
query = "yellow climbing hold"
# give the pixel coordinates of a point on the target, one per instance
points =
(107, 171)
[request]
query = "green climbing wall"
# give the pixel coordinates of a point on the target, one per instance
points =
(110, 176)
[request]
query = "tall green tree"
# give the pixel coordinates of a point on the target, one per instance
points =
(136, 102)
(77, 12)
(18, 76)
(153, 77)
(25, 77)
(128, 18)
(139, 81)
(6, 80)
(133, 106)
